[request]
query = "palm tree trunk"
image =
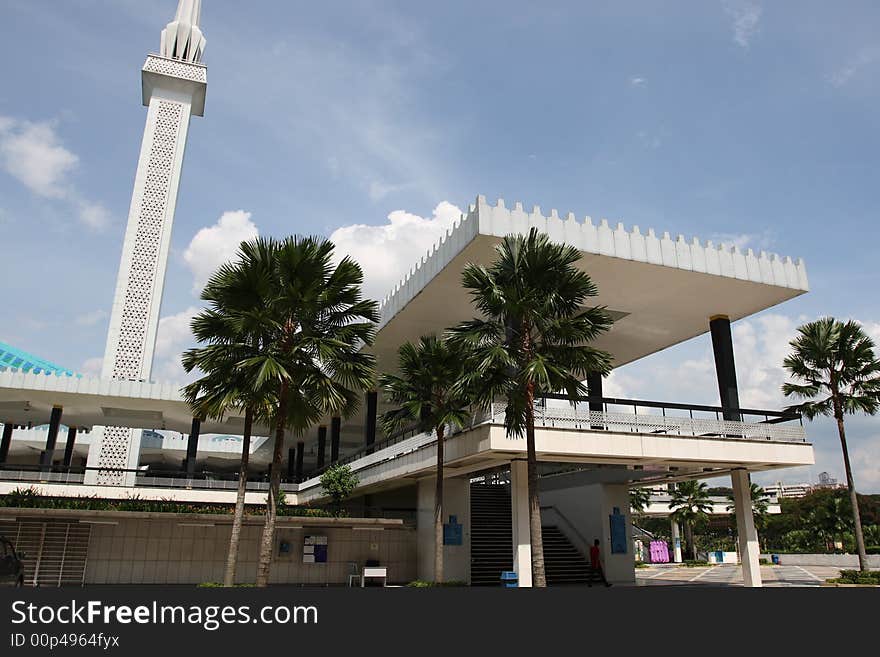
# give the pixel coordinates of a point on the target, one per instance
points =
(438, 510)
(689, 537)
(238, 516)
(537, 543)
(853, 498)
(267, 541)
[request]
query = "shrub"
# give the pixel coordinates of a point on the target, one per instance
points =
(30, 498)
(857, 577)
(425, 584)
(338, 482)
(694, 563)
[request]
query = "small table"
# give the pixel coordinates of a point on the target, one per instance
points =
(373, 571)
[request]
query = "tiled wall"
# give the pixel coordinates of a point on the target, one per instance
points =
(171, 552)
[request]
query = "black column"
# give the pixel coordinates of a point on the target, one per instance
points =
(291, 463)
(594, 387)
(322, 446)
(68, 448)
(370, 420)
(300, 448)
(6, 441)
(335, 428)
(192, 446)
(51, 438)
(725, 368)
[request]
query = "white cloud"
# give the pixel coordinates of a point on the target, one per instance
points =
(91, 318)
(94, 215)
(863, 59)
(746, 16)
(217, 244)
(743, 241)
(33, 154)
(173, 337)
(637, 81)
(92, 367)
(388, 251)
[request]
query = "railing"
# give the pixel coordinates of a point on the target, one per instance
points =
(143, 478)
(659, 418)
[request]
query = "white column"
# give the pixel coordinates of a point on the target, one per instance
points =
(676, 541)
(519, 508)
(749, 551)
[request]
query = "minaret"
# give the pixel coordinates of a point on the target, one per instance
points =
(174, 84)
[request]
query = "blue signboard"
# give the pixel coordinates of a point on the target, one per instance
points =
(452, 532)
(618, 532)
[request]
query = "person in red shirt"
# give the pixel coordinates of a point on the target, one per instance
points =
(596, 563)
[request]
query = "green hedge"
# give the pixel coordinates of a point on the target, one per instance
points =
(858, 577)
(424, 584)
(30, 498)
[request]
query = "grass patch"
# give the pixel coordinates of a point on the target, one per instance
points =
(695, 563)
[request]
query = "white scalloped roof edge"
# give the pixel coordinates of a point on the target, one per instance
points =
(165, 391)
(602, 239)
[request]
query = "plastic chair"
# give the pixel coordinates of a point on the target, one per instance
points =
(354, 574)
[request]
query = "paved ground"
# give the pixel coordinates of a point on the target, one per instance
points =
(731, 575)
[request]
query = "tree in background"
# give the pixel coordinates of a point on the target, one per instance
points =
(639, 499)
(760, 504)
(427, 396)
(338, 482)
(532, 337)
(690, 504)
(834, 369)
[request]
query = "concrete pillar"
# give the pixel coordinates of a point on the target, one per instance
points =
(322, 446)
(749, 551)
(371, 403)
(192, 447)
(519, 508)
(300, 451)
(456, 502)
(51, 438)
(68, 447)
(676, 541)
(725, 367)
(335, 428)
(6, 441)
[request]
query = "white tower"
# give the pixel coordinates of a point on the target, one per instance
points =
(174, 85)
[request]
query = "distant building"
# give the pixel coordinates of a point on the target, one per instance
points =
(781, 490)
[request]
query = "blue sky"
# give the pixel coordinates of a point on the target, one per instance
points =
(751, 122)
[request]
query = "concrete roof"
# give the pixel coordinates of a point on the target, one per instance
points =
(662, 290)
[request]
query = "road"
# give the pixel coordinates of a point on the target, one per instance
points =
(731, 575)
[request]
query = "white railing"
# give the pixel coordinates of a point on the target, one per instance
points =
(582, 419)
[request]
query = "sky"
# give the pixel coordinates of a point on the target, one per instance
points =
(374, 123)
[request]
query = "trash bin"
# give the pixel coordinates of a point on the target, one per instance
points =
(509, 579)
(775, 559)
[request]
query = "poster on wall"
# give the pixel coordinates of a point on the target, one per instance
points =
(315, 549)
(618, 532)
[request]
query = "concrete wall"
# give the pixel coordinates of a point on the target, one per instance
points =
(457, 502)
(587, 509)
(189, 551)
(846, 561)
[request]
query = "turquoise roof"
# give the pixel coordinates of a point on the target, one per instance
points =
(16, 359)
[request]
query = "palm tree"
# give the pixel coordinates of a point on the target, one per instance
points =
(229, 338)
(690, 504)
(760, 504)
(532, 339)
(427, 395)
(639, 499)
(834, 368)
(305, 322)
(222, 389)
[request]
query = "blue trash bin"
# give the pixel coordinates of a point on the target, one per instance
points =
(775, 559)
(509, 579)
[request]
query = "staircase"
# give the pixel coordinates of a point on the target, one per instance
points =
(563, 562)
(491, 534)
